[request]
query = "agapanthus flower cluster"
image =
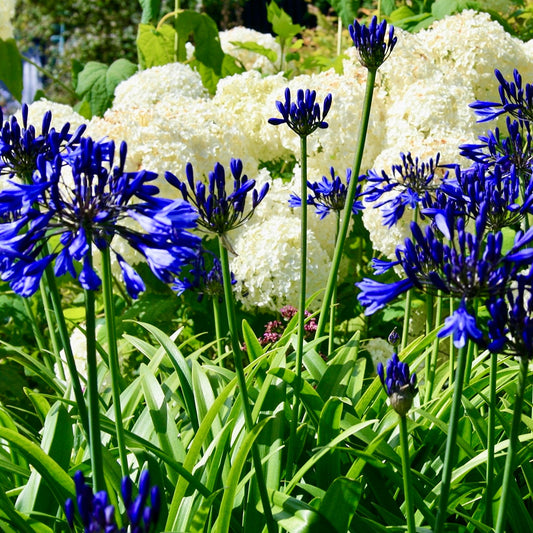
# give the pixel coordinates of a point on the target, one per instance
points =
(63, 217)
(399, 384)
(462, 264)
(98, 515)
(218, 211)
(516, 99)
(511, 319)
(329, 195)
(304, 115)
(413, 184)
(21, 145)
(372, 42)
(201, 279)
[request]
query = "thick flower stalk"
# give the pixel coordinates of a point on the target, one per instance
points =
(304, 115)
(98, 516)
(400, 386)
(374, 44)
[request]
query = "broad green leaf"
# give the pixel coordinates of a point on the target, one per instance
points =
(340, 502)
(57, 444)
(12, 517)
(40, 403)
(443, 8)
(296, 516)
(346, 10)
(258, 49)
(253, 348)
(151, 10)
(155, 47)
(328, 428)
(97, 82)
(282, 24)
(11, 67)
(57, 480)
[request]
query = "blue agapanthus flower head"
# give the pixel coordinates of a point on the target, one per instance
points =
(511, 319)
(220, 211)
(86, 208)
(374, 44)
(516, 99)
(98, 516)
(303, 116)
(21, 145)
(399, 384)
(462, 326)
(329, 195)
(412, 183)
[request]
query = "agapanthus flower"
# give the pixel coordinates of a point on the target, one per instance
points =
(399, 384)
(450, 259)
(511, 320)
(87, 209)
(506, 196)
(303, 116)
(516, 100)
(98, 515)
(373, 44)
(413, 183)
(201, 279)
(218, 211)
(329, 195)
(462, 326)
(20, 146)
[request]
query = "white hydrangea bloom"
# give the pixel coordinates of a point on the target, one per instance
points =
(171, 82)
(7, 12)
(380, 351)
(61, 114)
(250, 60)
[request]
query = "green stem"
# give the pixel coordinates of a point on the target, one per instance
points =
(48, 74)
(39, 339)
(52, 331)
(218, 326)
(434, 350)
(333, 303)
(65, 341)
(513, 445)
(95, 443)
(301, 310)
(407, 314)
(114, 365)
(406, 471)
(350, 197)
(239, 370)
(451, 439)
(491, 438)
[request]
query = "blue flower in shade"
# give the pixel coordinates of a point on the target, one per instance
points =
(20, 146)
(511, 320)
(304, 115)
(373, 44)
(399, 384)
(413, 182)
(329, 195)
(516, 100)
(202, 280)
(98, 515)
(218, 211)
(95, 204)
(462, 326)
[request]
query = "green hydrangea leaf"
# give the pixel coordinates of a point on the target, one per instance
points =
(11, 67)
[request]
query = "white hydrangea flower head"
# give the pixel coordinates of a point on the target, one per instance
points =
(250, 60)
(7, 12)
(380, 351)
(171, 82)
(61, 114)
(244, 101)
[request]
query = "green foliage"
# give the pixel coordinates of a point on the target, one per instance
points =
(347, 10)
(97, 82)
(150, 11)
(11, 67)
